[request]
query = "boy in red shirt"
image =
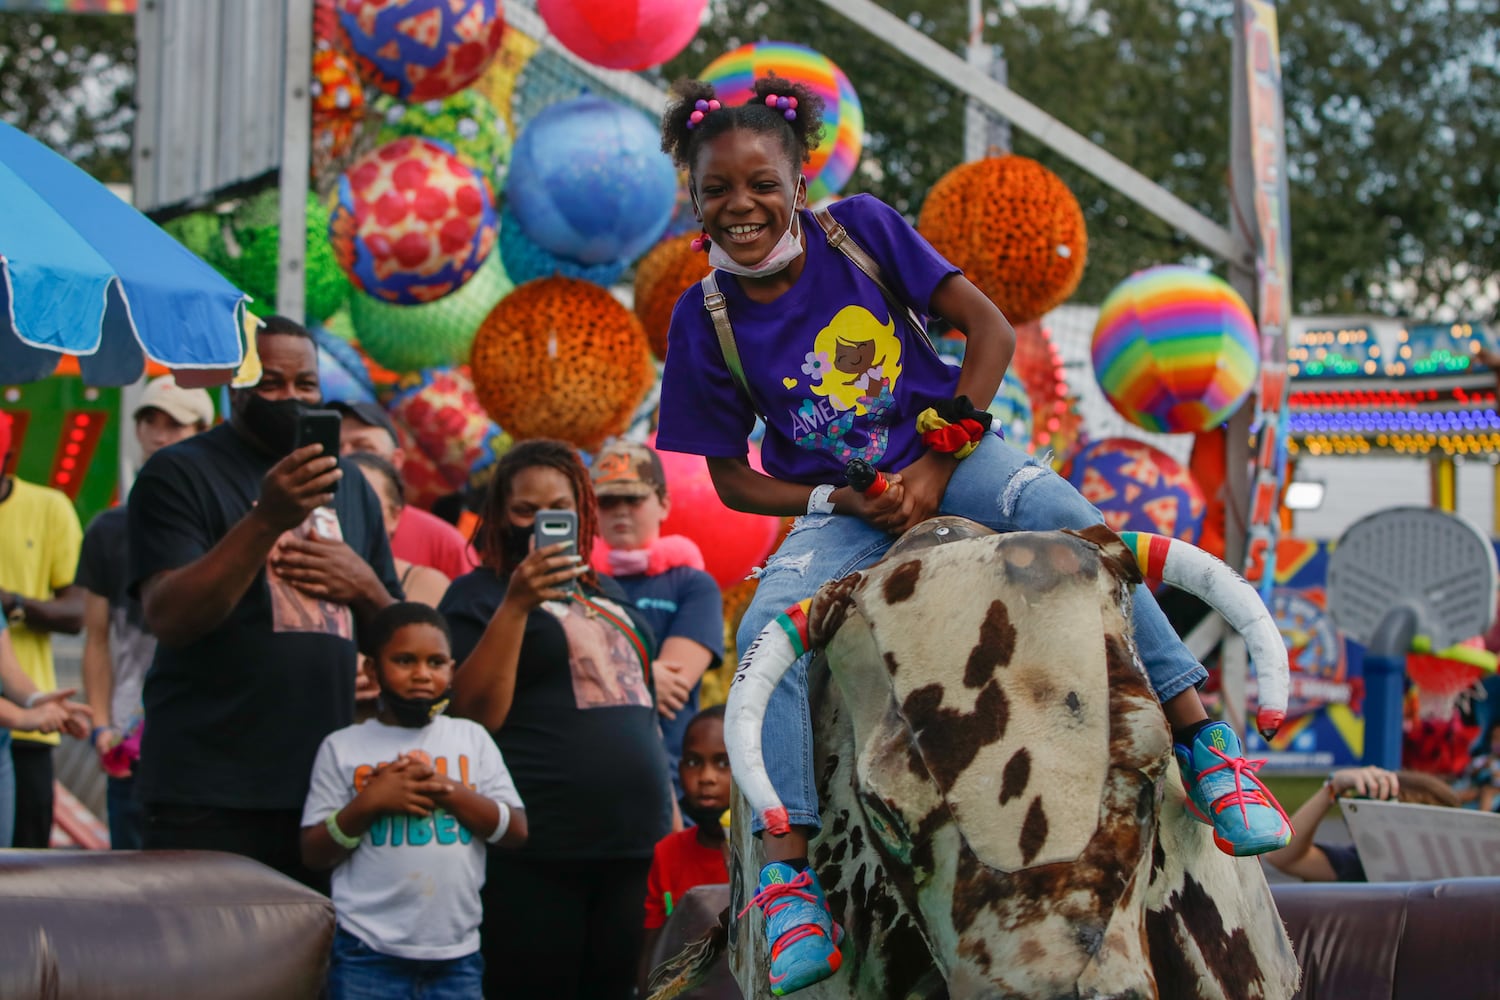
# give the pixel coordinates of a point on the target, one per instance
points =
(699, 854)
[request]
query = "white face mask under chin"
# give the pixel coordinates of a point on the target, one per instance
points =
(786, 250)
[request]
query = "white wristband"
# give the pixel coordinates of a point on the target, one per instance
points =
(501, 826)
(817, 500)
(31, 698)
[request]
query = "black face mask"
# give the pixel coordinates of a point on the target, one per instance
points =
(517, 543)
(414, 713)
(273, 423)
(708, 818)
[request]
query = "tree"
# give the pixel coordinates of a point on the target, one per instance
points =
(1393, 133)
(1392, 113)
(69, 80)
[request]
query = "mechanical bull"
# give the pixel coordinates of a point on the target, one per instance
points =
(1002, 814)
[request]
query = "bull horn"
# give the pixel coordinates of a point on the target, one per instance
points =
(779, 645)
(1190, 569)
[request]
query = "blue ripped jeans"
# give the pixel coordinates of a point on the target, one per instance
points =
(998, 486)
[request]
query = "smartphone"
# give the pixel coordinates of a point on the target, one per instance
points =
(320, 427)
(553, 526)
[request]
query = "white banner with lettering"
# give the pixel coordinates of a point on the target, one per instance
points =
(1399, 842)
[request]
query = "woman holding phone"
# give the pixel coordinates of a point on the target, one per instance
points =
(555, 665)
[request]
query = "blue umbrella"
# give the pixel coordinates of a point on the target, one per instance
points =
(83, 273)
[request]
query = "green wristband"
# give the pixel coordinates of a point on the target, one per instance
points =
(341, 838)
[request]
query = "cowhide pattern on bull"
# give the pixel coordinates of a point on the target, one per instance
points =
(1002, 816)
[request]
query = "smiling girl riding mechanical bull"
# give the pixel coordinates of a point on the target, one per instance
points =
(755, 338)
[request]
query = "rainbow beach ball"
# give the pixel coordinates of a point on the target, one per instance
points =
(1175, 349)
(734, 74)
(413, 221)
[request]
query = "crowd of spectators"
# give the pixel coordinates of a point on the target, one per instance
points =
(473, 747)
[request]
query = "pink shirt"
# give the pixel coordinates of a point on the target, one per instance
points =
(427, 540)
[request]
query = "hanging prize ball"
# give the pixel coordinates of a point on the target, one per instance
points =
(466, 121)
(832, 164)
(561, 358)
(413, 221)
(251, 236)
(670, 269)
(338, 104)
(1175, 349)
(733, 542)
(341, 371)
(447, 424)
(1139, 488)
(1012, 410)
(588, 181)
(198, 231)
(623, 34)
(1014, 228)
(419, 50)
(433, 334)
(1055, 420)
(525, 261)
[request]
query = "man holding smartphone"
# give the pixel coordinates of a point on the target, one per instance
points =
(255, 560)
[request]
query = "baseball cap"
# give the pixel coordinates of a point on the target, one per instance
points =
(627, 469)
(368, 412)
(190, 407)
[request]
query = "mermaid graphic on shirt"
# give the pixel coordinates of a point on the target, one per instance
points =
(854, 364)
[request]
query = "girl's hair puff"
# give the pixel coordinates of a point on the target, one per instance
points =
(799, 136)
(494, 522)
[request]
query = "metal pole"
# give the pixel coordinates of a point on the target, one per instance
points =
(976, 121)
(1444, 484)
(1385, 682)
(296, 151)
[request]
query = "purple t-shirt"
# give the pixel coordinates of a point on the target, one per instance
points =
(835, 374)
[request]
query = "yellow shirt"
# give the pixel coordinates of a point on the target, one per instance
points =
(39, 541)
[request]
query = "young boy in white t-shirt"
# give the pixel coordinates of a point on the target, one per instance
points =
(401, 807)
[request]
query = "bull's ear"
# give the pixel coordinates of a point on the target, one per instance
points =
(829, 606)
(1115, 553)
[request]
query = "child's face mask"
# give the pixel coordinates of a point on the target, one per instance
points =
(414, 713)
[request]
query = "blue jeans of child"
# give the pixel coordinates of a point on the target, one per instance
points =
(359, 972)
(997, 485)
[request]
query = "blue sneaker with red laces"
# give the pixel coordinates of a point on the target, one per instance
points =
(800, 929)
(1225, 792)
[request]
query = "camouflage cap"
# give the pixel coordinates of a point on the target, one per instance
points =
(627, 469)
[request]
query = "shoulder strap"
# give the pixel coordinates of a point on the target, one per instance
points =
(840, 240)
(718, 311)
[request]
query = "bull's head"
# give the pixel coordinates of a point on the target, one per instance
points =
(981, 679)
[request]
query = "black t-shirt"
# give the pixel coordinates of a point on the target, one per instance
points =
(587, 760)
(103, 563)
(234, 718)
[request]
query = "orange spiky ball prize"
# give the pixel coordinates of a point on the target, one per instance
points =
(668, 270)
(561, 358)
(1014, 228)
